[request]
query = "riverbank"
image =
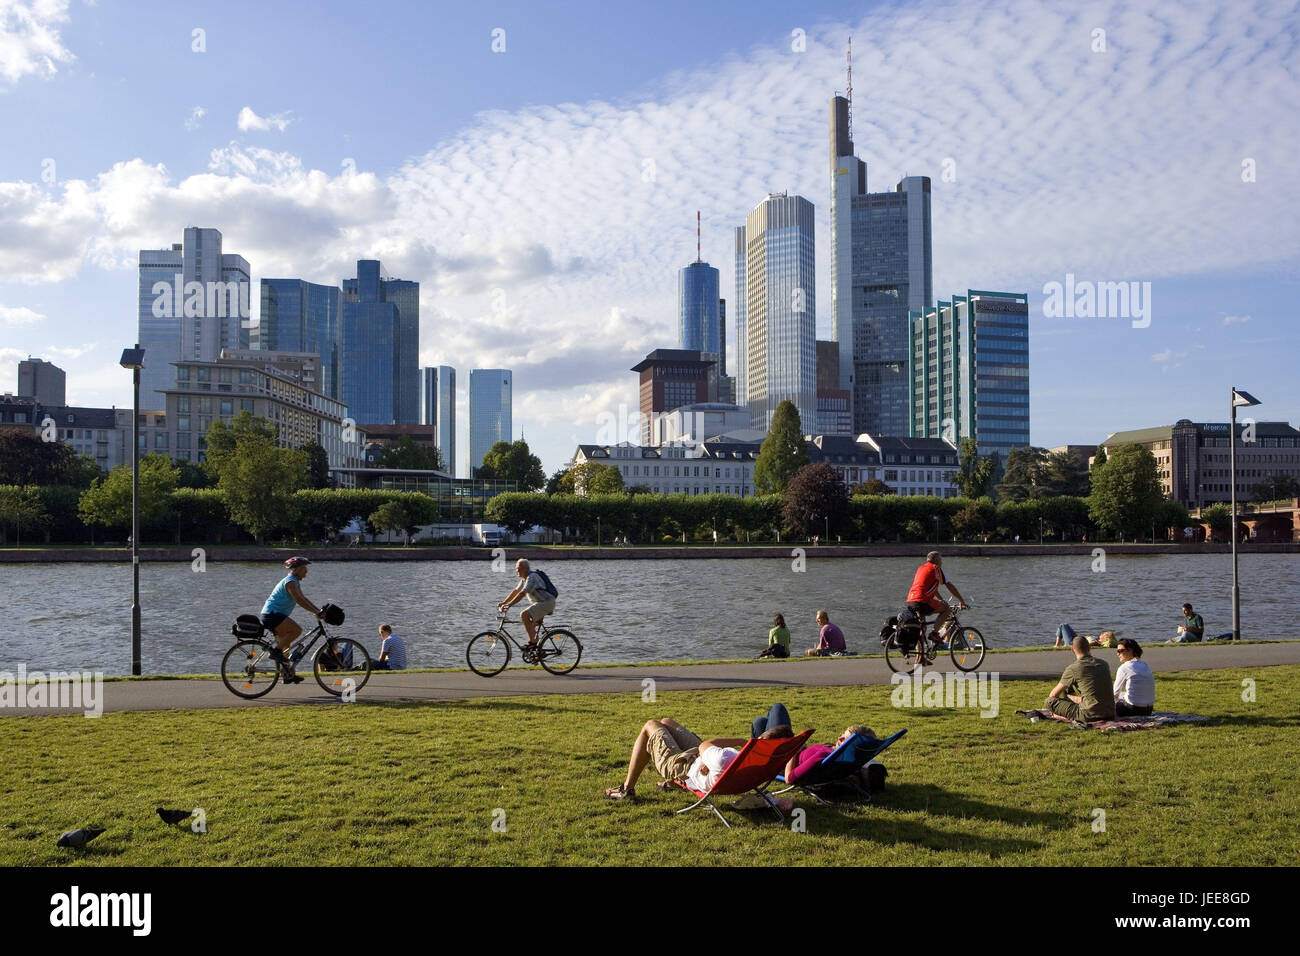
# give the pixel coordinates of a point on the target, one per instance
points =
(231, 553)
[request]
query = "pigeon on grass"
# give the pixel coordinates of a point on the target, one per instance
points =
(174, 816)
(79, 838)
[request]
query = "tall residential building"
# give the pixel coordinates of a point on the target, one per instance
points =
(193, 302)
(881, 269)
(299, 316)
(381, 347)
(780, 309)
(428, 395)
(43, 381)
(489, 412)
(740, 397)
(969, 370)
(447, 417)
(669, 379)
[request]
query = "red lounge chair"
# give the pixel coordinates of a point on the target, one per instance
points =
(755, 767)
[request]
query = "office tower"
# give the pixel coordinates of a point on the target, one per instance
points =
(381, 345)
(880, 270)
(428, 396)
(42, 381)
(193, 302)
(669, 379)
(834, 417)
(299, 316)
(780, 309)
(697, 308)
(447, 417)
(969, 371)
(740, 397)
(489, 412)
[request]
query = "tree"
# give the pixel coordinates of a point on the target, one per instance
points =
(190, 475)
(318, 465)
(782, 453)
(1276, 488)
(872, 486)
(405, 515)
(258, 482)
(409, 454)
(1066, 473)
(591, 478)
(1219, 518)
(974, 473)
(1099, 459)
(513, 461)
(975, 518)
(1024, 475)
(554, 482)
(26, 459)
(108, 501)
(816, 501)
(21, 507)
(223, 440)
(1126, 493)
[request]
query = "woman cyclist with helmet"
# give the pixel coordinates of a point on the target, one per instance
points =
(278, 607)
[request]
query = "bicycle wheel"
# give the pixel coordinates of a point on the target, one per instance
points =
(967, 649)
(560, 651)
(900, 661)
(248, 671)
(488, 654)
(353, 662)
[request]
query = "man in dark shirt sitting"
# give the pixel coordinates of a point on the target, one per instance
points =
(1085, 692)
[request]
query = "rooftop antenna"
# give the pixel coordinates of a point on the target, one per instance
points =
(697, 235)
(848, 92)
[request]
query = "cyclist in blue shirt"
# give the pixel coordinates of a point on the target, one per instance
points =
(278, 607)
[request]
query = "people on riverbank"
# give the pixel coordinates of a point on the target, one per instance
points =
(278, 608)
(541, 594)
(778, 639)
(923, 597)
(392, 650)
(1065, 636)
(1135, 685)
(830, 639)
(1084, 691)
(1191, 630)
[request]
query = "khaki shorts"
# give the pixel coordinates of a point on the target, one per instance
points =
(672, 751)
(541, 609)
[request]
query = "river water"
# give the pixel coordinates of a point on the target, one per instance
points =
(74, 616)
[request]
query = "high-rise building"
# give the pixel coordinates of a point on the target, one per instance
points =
(697, 308)
(428, 395)
(780, 309)
(670, 378)
(740, 397)
(881, 269)
(834, 416)
(43, 381)
(193, 302)
(447, 417)
(490, 403)
(299, 316)
(381, 346)
(969, 370)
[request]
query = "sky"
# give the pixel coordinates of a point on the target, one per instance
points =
(538, 168)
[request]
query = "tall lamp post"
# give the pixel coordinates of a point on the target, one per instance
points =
(134, 360)
(598, 531)
(1240, 399)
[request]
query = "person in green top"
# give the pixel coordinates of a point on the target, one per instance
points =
(778, 639)
(1191, 630)
(1085, 691)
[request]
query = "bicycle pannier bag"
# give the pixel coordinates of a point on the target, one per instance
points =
(247, 625)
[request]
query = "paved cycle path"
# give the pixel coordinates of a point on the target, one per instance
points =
(524, 681)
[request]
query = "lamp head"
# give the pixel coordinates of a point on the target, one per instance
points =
(132, 358)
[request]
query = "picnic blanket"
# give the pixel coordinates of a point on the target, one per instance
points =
(1160, 718)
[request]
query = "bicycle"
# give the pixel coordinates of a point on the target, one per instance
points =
(557, 650)
(341, 666)
(965, 646)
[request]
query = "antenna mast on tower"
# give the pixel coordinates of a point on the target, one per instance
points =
(848, 92)
(697, 235)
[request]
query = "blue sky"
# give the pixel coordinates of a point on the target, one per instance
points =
(545, 196)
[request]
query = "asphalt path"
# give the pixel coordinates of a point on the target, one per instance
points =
(198, 694)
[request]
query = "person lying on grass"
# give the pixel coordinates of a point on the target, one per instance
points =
(678, 754)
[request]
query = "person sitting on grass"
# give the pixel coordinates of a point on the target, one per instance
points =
(1135, 686)
(830, 641)
(1084, 692)
(778, 639)
(678, 754)
(392, 650)
(1191, 630)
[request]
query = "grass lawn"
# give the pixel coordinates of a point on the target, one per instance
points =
(379, 784)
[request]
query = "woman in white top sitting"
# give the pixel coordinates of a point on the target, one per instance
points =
(1135, 687)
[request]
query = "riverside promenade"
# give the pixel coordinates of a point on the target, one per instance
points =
(851, 672)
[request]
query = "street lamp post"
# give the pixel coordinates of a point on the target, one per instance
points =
(1239, 399)
(598, 531)
(828, 529)
(134, 360)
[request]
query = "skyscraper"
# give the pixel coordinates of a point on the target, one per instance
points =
(697, 308)
(969, 371)
(43, 381)
(299, 316)
(428, 396)
(447, 417)
(193, 302)
(780, 309)
(880, 270)
(740, 398)
(381, 346)
(489, 412)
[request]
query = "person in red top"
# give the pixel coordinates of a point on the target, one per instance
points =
(924, 597)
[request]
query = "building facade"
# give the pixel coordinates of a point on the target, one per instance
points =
(780, 309)
(193, 302)
(447, 417)
(42, 381)
(909, 466)
(711, 468)
(428, 395)
(881, 268)
(1192, 458)
(92, 432)
(969, 370)
(490, 409)
(300, 316)
(381, 347)
(739, 396)
(669, 379)
(834, 404)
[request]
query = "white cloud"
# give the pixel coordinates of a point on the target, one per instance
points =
(1168, 357)
(1234, 319)
(19, 315)
(196, 115)
(29, 38)
(248, 120)
(71, 351)
(9, 359)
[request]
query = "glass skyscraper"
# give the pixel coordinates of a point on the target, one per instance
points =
(193, 302)
(740, 397)
(780, 351)
(968, 364)
(428, 396)
(381, 345)
(697, 308)
(447, 417)
(881, 269)
(490, 404)
(299, 316)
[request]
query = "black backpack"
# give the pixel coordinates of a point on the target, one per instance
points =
(547, 582)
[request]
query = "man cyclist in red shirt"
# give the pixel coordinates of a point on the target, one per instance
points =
(924, 597)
